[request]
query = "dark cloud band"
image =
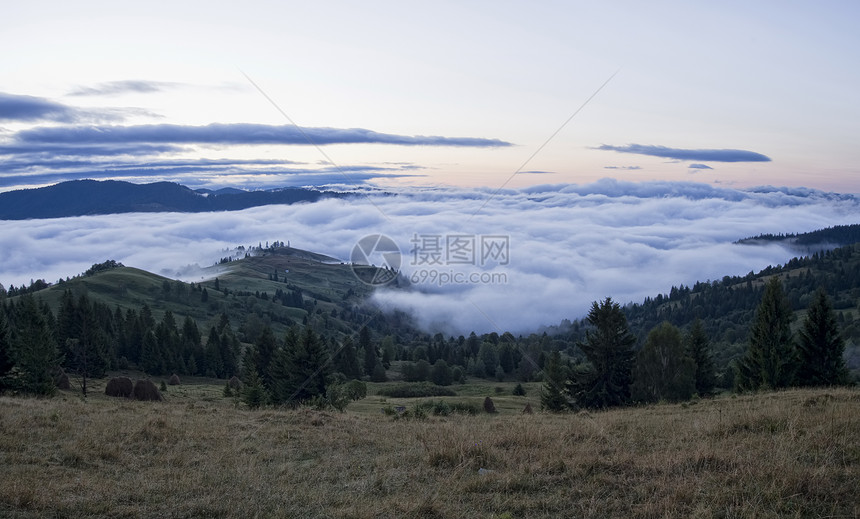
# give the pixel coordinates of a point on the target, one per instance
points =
(706, 155)
(29, 108)
(236, 134)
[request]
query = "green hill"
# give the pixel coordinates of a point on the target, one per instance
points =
(277, 286)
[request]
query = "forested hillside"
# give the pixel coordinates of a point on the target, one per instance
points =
(727, 306)
(811, 242)
(271, 299)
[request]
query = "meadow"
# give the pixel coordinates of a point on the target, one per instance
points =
(198, 454)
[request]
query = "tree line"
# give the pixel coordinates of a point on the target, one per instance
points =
(671, 366)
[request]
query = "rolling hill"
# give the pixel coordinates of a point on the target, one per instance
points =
(277, 286)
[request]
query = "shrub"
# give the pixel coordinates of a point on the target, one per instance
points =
(336, 397)
(415, 371)
(119, 387)
(417, 390)
(463, 408)
(440, 373)
(458, 374)
(355, 389)
(441, 408)
(519, 390)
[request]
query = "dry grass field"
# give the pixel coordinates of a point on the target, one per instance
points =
(787, 454)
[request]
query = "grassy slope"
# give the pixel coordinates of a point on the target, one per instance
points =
(319, 279)
(787, 454)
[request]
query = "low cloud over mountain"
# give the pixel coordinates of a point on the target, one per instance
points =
(568, 244)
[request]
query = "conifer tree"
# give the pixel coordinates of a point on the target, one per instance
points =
(608, 347)
(254, 392)
(213, 364)
(150, 358)
(770, 360)
(301, 369)
(5, 349)
(347, 360)
(266, 344)
(366, 345)
(34, 352)
(230, 348)
(697, 348)
(552, 397)
(820, 346)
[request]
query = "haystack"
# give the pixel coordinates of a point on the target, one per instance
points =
(527, 409)
(146, 390)
(174, 380)
(489, 406)
(235, 383)
(119, 386)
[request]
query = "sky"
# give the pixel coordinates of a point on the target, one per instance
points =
(619, 147)
(268, 94)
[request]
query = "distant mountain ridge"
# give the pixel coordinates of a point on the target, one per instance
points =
(91, 197)
(810, 242)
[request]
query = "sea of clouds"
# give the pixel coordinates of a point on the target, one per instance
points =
(568, 244)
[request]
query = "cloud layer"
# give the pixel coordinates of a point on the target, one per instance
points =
(20, 108)
(569, 244)
(682, 154)
(237, 133)
(77, 144)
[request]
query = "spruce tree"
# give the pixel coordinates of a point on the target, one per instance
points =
(608, 347)
(150, 357)
(300, 369)
(230, 348)
(770, 360)
(697, 348)
(820, 346)
(5, 349)
(366, 345)
(90, 357)
(254, 392)
(34, 352)
(266, 344)
(347, 360)
(552, 396)
(213, 363)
